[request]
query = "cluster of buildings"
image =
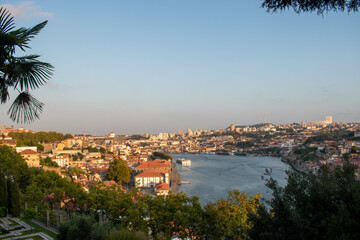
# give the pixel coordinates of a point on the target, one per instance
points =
(94, 154)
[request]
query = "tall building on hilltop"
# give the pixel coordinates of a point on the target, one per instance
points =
(328, 119)
(232, 127)
(189, 132)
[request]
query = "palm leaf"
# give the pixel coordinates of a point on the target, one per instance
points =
(4, 93)
(25, 108)
(6, 20)
(28, 72)
(319, 6)
(26, 34)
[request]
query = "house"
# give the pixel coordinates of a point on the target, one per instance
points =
(151, 177)
(62, 160)
(162, 188)
(31, 157)
(9, 142)
(87, 185)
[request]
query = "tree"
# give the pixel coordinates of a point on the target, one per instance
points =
(14, 166)
(175, 214)
(161, 155)
(229, 218)
(20, 73)
(319, 6)
(80, 227)
(119, 171)
(48, 162)
(3, 195)
(323, 206)
(354, 149)
(13, 198)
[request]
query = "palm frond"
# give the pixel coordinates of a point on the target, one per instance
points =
(28, 72)
(25, 108)
(4, 93)
(6, 20)
(8, 40)
(319, 6)
(26, 34)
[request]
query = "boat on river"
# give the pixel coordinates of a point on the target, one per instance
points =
(184, 161)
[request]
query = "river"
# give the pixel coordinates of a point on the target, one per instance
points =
(213, 176)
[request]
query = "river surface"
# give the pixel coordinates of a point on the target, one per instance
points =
(213, 176)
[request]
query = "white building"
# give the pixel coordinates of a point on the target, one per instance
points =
(151, 177)
(62, 160)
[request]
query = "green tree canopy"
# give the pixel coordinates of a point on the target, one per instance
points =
(229, 218)
(161, 155)
(32, 139)
(79, 227)
(119, 171)
(13, 198)
(23, 73)
(14, 166)
(3, 195)
(48, 191)
(323, 206)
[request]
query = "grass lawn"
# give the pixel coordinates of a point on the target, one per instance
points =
(37, 228)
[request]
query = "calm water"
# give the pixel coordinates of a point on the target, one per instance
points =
(212, 176)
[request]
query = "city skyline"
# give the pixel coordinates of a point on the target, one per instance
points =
(187, 131)
(163, 66)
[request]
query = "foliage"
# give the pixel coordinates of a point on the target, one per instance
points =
(326, 206)
(3, 195)
(162, 216)
(305, 150)
(160, 155)
(48, 190)
(80, 227)
(30, 213)
(114, 203)
(75, 157)
(137, 137)
(175, 214)
(13, 198)
(91, 149)
(31, 139)
(102, 150)
(125, 234)
(3, 212)
(119, 171)
(178, 214)
(14, 166)
(319, 6)
(20, 73)
(307, 153)
(77, 171)
(229, 219)
(48, 162)
(354, 149)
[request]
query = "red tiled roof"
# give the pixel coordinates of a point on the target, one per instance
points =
(162, 186)
(109, 183)
(28, 152)
(9, 141)
(154, 164)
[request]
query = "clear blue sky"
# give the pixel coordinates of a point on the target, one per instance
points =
(153, 66)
